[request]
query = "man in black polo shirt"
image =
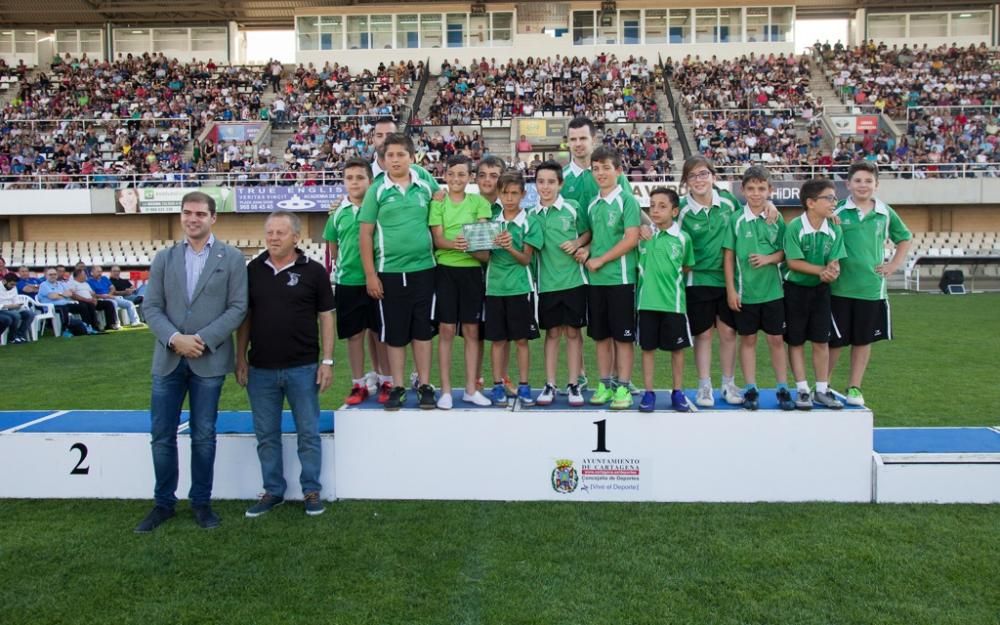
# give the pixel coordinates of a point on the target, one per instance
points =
(287, 294)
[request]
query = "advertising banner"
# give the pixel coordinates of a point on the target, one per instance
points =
(133, 200)
(45, 202)
(313, 199)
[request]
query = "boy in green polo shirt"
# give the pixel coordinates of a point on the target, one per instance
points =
(860, 301)
(562, 281)
(398, 260)
(510, 288)
(663, 323)
(813, 248)
(752, 263)
(614, 226)
(355, 309)
(458, 280)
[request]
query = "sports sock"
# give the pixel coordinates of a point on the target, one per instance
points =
(703, 382)
(751, 385)
(728, 380)
(782, 385)
(821, 387)
(802, 386)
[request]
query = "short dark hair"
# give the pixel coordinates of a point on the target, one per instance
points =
(79, 272)
(867, 166)
(551, 166)
(813, 188)
(11, 276)
(398, 138)
(756, 173)
(459, 159)
(197, 197)
(385, 120)
(604, 153)
(492, 161)
(509, 177)
(583, 122)
(672, 196)
(359, 162)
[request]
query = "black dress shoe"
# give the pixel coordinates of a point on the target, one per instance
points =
(205, 518)
(154, 519)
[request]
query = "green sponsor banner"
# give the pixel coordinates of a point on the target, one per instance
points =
(168, 199)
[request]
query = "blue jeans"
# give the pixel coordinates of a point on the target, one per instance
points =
(20, 322)
(268, 389)
(165, 410)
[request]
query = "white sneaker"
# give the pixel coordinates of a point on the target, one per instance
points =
(575, 396)
(704, 398)
(547, 396)
(476, 398)
(732, 394)
(444, 402)
(371, 381)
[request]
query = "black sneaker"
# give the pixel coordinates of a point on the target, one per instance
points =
(266, 503)
(154, 519)
(427, 399)
(751, 399)
(785, 401)
(313, 504)
(397, 397)
(205, 518)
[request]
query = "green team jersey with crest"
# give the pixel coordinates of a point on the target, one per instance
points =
(751, 234)
(342, 228)
(403, 242)
(504, 275)
(451, 217)
(707, 226)
(561, 222)
(609, 217)
(661, 270)
(817, 246)
(864, 241)
(495, 208)
(580, 186)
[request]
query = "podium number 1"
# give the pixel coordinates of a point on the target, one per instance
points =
(78, 470)
(602, 444)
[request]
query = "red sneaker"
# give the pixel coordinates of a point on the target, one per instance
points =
(358, 394)
(383, 392)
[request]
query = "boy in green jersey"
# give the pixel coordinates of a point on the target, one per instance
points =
(562, 280)
(510, 288)
(355, 309)
(398, 260)
(860, 301)
(579, 185)
(487, 176)
(752, 257)
(663, 324)
(614, 227)
(813, 248)
(458, 281)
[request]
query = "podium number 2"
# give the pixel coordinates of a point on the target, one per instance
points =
(602, 445)
(78, 470)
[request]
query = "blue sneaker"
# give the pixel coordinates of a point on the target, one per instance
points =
(524, 394)
(499, 395)
(67, 334)
(648, 402)
(679, 402)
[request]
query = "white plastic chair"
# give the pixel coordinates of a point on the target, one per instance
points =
(38, 327)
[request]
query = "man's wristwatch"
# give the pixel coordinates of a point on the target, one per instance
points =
(327, 361)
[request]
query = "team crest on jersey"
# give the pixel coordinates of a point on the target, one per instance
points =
(613, 218)
(567, 223)
(293, 279)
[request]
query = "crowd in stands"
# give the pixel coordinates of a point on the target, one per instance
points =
(143, 114)
(755, 109)
(946, 97)
(892, 79)
(645, 155)
(605, 89)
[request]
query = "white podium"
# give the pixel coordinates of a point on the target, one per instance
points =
(597, 455)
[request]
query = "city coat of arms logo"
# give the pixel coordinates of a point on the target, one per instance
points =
(564, 477)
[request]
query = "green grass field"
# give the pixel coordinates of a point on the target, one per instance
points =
(507, 563)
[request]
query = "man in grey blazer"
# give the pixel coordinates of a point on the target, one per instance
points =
(196, 298)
